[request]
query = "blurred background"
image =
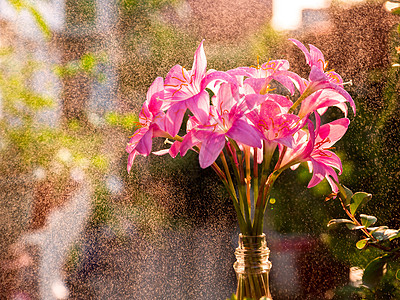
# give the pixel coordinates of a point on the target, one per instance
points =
(73, 76)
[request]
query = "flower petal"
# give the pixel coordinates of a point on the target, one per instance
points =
(319, 173)
(210, 149)
(199, 105)
(199, 65)
(144, 145)
(244, 133)
(174, 117)
(131, 158)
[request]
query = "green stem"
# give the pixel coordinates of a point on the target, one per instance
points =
(303, 96)
(248, 178)
(231, 189)
(262, 202)
(255, 176)
(239, 176)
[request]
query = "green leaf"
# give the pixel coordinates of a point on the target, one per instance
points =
(354, 226)
(394, 235)
(367, 220)
(384, 233)
(398, 274)
(357, 200)
(345, 194)
(340, 221)
(361, 244)
(374, 271)
(378, 232)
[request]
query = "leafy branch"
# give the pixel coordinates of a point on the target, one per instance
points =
(380, 237)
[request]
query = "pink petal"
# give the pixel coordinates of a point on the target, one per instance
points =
(217, 75)
(254, 99)
(332, 174)
(304, 49)
(210, 149)
(244, 133)
(199, 65)
(199, 105)
(317, 58)
(131, 158)
(177, 84)
(188, 142)
(256, 83)
(144, 145)
(224, 100)
(174, 150)
(328, 158)
(174, 117)
(318, 173)
(333, 131)
(285, 81)
(156, 87)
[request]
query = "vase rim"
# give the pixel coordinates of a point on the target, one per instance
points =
(246, 235)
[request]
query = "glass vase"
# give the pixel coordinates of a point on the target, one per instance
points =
(252, 268)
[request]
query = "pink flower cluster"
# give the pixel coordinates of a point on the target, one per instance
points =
(240, 105)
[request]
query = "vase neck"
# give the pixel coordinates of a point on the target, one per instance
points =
(252, 255)
(252, 241)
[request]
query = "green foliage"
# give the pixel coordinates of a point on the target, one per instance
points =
(87, 64)
(266, 43)
(382, 238)
(373, 273)
(22, 4)
(367, 221)
(125, 121)
(358, 200)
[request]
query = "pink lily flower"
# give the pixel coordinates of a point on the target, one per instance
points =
(225, 122)
(314, 148)
(320, 101)
(186, 90)
(259, 77)
(273, 121)
(151, 121)
(319, 78)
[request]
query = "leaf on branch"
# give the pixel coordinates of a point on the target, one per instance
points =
(374, 271)
(384, 233)
(340, 221)
(378, 232)
(394, 234)
(354, 226)
(361, 244)
(367, 220)
(358, 200)
(345, 194)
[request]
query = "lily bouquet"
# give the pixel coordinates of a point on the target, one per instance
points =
(237, 121)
